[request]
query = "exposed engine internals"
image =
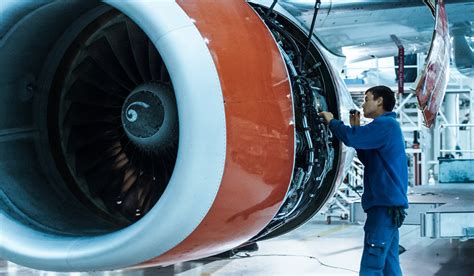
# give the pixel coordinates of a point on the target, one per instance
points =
(312, 92)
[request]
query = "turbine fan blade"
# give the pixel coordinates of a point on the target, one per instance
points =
(154, 62)
(94, 156)
(139, 44)
(85, 135)
(90, 72)
(102, 53)
(78, 115)
(117, 37)
(88, 94)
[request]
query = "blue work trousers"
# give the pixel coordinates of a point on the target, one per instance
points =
(380, 256)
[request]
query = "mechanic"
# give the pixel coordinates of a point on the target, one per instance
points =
(380, 146)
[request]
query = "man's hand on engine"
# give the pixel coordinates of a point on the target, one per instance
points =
(327, 116)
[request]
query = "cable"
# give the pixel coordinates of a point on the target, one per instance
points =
(247, 255)
(317, 5)
(289, 39)
(270, 10)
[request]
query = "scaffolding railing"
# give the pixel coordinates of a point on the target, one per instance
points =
(348, 192)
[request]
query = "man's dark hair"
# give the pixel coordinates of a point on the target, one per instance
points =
(387, 95)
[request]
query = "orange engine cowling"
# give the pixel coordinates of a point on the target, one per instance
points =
(153, 132)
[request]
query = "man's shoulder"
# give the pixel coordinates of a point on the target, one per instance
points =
(387, 124)
(387, 118)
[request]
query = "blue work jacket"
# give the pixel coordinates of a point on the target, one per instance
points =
(381, 148)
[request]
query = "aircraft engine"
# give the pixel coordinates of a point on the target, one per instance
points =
(154, 132)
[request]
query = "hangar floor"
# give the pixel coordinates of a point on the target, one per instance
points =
(314, 249)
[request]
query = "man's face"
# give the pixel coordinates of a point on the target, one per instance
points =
(370, 106)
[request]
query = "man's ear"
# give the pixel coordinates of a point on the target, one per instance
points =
(379, 101)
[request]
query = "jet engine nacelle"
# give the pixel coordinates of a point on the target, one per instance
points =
(154, 132)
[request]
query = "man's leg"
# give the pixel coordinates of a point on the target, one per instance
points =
(379, 233)
(392, 263)
(374, 255)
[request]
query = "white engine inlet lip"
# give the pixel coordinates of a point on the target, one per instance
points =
(198, 170)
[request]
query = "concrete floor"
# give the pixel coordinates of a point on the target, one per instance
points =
(314, 249)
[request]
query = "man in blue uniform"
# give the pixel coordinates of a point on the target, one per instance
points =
(381, 148)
